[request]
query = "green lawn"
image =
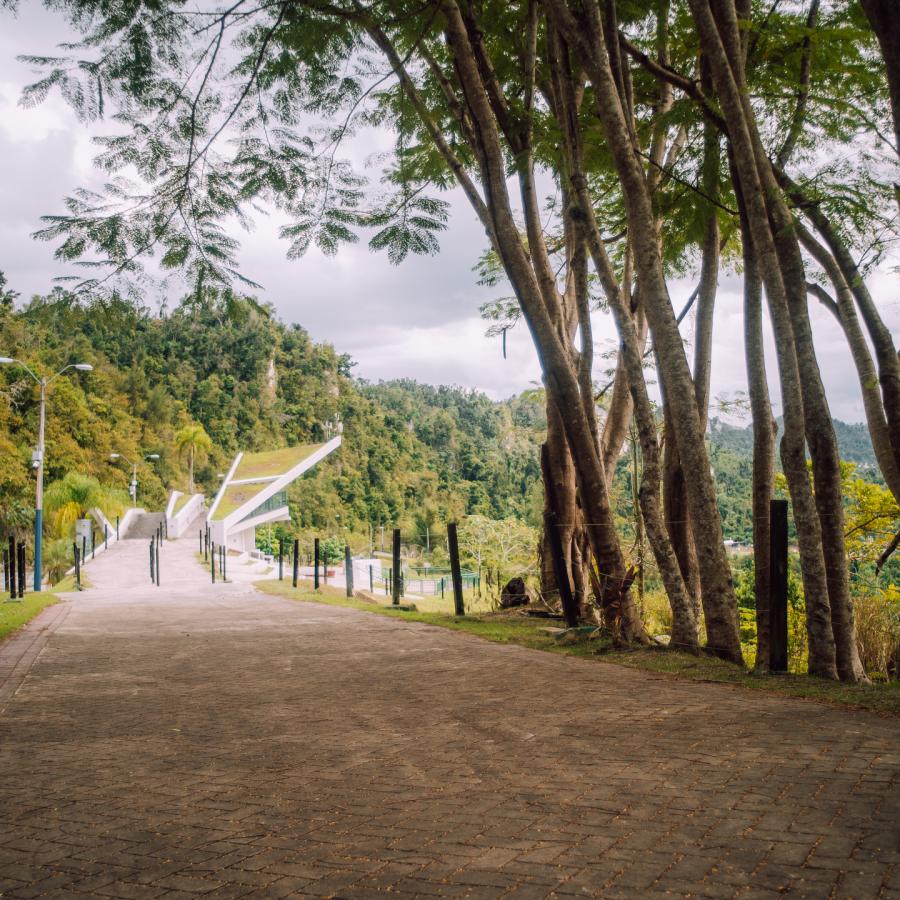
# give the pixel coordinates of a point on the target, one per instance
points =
(14, 615)
(529, 632)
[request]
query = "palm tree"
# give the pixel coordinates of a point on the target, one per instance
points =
(74, 496)
(193, 440)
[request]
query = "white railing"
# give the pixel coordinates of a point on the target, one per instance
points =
(177, 523)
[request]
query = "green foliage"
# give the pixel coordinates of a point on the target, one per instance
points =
(74, 497)
(219, 364)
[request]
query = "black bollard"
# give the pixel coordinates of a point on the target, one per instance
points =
(12, 568)
(316, 564)
(371, 580)
(348, 570)
(105, 536)
(778, 585)
(93, 543)
(201, 541)
(281, 559)
(455, 574)
(296, 560)
(325, 566)
(5, 570)
(157, 563)
(152, 570)
(21, 570)
(212, 563)
(396, 574)
(117, 527)
(77, 566)
(83, 548)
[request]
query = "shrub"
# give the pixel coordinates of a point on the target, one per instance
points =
(878, 631)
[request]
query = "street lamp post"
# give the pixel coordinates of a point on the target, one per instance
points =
(133, 486)
(38, 459)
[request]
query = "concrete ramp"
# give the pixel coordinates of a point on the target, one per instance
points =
(144, 526)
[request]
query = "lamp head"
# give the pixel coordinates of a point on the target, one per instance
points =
(84, 367)
(6, 360)
(152, 456)
(114, 455)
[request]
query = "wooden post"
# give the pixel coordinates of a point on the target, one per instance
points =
(396, 587)
(455, 572)
(348, 570)
(117, 527)
(778, 585)
(296, 560)
(316, 564)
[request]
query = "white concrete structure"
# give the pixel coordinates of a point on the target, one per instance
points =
(181, 511)
(254, 492)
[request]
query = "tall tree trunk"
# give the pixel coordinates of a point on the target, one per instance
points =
(684, 630)
(585, 34)
(879, 333)
(533, 280)
(564, 514)
(764, 430)
(844, 311)
(806, 410)
(621, 409)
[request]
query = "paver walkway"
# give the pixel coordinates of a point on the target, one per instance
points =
(194, 740)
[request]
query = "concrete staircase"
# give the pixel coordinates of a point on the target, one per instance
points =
(144, 526)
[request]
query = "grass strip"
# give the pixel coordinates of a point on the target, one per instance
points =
(14, 615)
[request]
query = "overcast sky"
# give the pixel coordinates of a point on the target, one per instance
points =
(419, 320)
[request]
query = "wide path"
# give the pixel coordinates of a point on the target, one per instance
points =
(193, 739)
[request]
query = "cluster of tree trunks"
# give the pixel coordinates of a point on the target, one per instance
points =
(584, 77)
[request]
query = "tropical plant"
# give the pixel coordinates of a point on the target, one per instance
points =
(74, 496)
(57, 559)
(193, 441)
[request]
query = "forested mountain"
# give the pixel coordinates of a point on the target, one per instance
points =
(413, 454)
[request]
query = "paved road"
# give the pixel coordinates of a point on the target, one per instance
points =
(194, 740)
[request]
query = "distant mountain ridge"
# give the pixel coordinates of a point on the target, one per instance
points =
(853, 439)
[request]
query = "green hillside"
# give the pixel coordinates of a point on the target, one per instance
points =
(414, 455)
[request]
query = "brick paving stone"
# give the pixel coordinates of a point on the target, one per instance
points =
(211, 740)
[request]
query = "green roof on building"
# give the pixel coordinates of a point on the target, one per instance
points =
(272, 463)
